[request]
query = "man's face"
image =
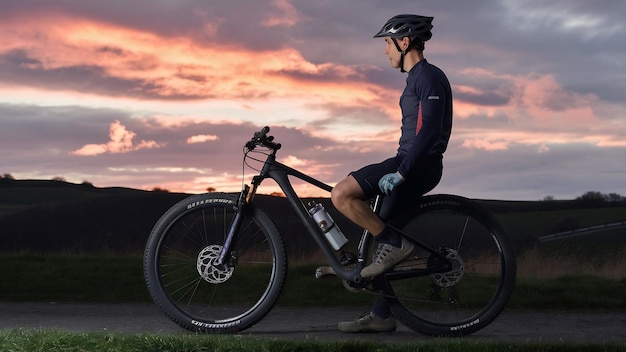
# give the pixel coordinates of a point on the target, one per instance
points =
(392, 53)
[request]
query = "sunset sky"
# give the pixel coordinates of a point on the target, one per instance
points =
(164, 93)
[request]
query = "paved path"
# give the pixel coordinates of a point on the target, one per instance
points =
(311, 324)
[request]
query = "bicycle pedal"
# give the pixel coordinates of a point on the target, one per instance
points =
(322, 271)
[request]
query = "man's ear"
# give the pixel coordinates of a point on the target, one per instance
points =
(406, 41)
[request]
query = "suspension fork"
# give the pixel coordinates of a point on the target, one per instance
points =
(245, 197)
(240, 210)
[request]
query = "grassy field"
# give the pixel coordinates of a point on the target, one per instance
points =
(117, 279)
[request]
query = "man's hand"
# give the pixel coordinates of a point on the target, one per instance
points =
(389, 181)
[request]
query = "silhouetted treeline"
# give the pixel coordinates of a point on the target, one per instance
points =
(596, 199)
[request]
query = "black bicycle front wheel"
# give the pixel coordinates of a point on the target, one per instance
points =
(180, 270)
(469, 295)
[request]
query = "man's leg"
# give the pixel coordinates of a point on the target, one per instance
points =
(348, 197)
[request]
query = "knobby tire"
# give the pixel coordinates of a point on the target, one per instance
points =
(199, 296)
(472, 294)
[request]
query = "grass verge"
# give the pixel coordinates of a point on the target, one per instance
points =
(51, 341)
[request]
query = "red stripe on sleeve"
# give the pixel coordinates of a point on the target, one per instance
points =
(419, 119)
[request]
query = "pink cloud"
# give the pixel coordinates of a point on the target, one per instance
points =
(179, 67)
(121, 141)
(201, 138)
(540, 112)
(285, 14)
(485, 144)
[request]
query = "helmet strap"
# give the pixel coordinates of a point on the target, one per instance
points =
(402, 53)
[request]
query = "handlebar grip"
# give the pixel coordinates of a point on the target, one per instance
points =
(261, 134)
(261, 138)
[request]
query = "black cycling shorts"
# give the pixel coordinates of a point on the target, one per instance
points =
(425, 176)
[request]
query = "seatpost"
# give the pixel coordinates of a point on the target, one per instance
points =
(366, 238)
(377, 203)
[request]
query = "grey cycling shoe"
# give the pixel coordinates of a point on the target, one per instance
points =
(368, 322)
(386, 257)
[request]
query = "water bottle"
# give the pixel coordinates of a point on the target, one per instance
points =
(330, 229)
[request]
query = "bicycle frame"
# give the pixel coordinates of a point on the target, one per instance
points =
(280, 173)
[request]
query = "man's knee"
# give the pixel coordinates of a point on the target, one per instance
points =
(346, 190)
(337, 195)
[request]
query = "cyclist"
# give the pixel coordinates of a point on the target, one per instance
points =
(426, 105)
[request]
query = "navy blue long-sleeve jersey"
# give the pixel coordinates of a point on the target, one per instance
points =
(426, 105)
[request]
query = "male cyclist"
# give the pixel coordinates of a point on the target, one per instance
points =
(426, 105)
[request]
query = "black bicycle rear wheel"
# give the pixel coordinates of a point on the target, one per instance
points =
(474, 291)
(198, 295)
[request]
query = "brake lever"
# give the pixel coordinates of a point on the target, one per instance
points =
(250, 145)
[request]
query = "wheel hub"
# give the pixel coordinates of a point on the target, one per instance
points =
(452, 277)
(206, 268)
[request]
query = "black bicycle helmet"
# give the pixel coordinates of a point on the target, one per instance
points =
(412, 26)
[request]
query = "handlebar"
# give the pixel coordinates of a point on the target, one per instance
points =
(261, 138)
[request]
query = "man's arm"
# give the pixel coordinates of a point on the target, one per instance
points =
(429, 126)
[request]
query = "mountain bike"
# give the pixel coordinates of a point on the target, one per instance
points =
(216, 262)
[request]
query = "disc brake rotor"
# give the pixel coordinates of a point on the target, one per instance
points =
(452, 277)
(209, 272)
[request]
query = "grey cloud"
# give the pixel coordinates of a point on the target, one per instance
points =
(483, 122)
(555, 38)
(523, 173)
(323, 75)
(20, 58)
(483, 98)
(237, 21)
(27, 127)
(353, 114)
(18, 67)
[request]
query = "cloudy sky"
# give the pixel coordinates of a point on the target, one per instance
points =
(163, 93)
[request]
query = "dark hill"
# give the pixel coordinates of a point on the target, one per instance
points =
(31, 191)
(58, 216)
(44, 216)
